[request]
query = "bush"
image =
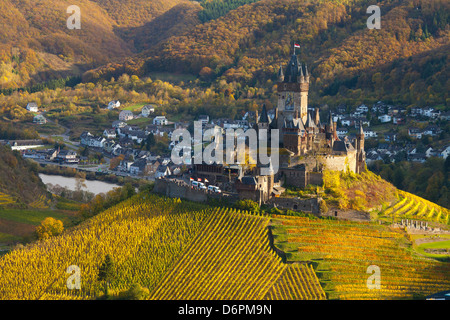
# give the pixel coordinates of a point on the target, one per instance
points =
(247, 205)
(136, 292)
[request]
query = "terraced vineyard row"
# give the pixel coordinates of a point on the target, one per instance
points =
(231, 259)
(413, 207)
(291, 286)
(344, 250)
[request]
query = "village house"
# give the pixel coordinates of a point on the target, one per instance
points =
(110, 133)
(385, 118)
(444, 152)
(147, 110)
(139, 167)
(113, 104)
(415, 133)
(398, 119)
(118, 124)
(160, 121)
(67, 156)
(126, 115)
(432, 130)
(39, 119)
(162, 171)
(32, 107)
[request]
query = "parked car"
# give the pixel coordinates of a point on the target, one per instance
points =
(198, 185)
(214, 189)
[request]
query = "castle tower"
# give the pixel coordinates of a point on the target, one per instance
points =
(292, 88)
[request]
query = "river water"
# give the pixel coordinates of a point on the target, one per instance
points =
(93, 186)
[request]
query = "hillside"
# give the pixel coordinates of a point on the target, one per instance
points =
(20, 185)
(38, 46)
(150, 240)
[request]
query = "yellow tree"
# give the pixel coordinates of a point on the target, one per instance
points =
(49, 227)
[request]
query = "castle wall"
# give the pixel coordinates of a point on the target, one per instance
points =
(295, 204)
(339, 162)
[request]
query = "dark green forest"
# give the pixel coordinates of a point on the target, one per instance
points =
(429, 180)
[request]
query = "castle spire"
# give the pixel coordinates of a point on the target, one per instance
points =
(280, 74)
(264, 118)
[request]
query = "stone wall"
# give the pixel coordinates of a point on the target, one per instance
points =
(177, 189)
(297, 204)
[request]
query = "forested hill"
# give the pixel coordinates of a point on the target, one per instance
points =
(20, 184)
(406, 59)
(38, 46)
(242, 41)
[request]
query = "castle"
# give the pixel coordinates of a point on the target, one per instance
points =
(307, 146)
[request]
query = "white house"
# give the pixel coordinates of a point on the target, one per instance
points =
(362, 109)
(341, 132)
(109, 134)
(39, 119)
(113, 104)
(445, 152)
(160, 120)
(147, 110)
(368, 133)
(126, 115)
(162, 171)
(118, 124)
(385, 118)
(32, 107)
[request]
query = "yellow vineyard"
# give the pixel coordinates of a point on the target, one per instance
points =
(413, 207)
(344, 250)
(231, 259)
(176, 249)
(5, 199)
(291, 286)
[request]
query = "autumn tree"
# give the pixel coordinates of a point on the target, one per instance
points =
(49, 227)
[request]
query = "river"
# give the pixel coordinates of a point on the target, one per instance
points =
(93, 186)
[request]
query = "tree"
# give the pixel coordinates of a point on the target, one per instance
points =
(248, 205)
(106, 273)
(49, 227)
(136, 292)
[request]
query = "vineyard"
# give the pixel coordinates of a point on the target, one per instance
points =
(344, 250)
(413, 207)
(175, 249)
(231, 259)
(144, 235)
(5, 199)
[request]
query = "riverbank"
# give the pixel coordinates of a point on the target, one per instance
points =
(70, 172)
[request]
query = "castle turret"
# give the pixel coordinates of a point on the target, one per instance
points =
(360, 153)
(280, 74)
(317, 117)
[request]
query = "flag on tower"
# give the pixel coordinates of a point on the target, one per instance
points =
(296, 45)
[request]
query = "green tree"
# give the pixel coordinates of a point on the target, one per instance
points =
(106, 273)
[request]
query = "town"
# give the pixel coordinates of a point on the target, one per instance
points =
(312, 139)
